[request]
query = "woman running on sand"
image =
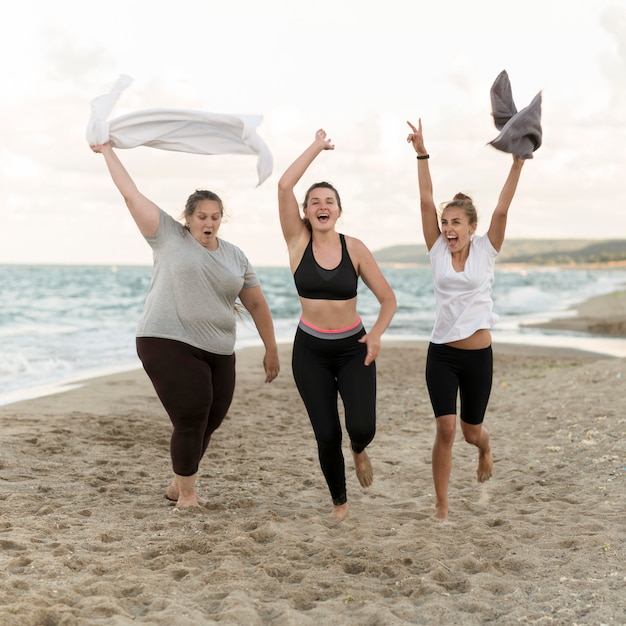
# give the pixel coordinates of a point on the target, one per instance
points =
(332, 351)
(459, 357)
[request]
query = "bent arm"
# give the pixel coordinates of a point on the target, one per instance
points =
(373, 277)
(253, 299)
(145, 213)
(291, 223)
(497, 227)
(430, 223)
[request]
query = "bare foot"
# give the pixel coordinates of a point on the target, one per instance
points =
(173, 495)
(441, 513)
(339, 513)
(171, 492)
(485, 466)
(363, 467)
(189, 502)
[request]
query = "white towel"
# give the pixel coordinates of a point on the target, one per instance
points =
(181, 130)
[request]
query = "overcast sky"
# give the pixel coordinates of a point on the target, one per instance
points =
(357, 68)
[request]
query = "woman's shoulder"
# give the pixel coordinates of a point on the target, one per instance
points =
(439, 246)
(357, 249)
(353, 243)
(482, 242)
(167, 226)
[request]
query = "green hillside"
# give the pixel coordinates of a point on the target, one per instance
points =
(527, 251)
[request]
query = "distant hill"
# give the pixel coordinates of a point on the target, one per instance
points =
(526, 251)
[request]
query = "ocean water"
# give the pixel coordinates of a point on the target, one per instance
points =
(63, 323)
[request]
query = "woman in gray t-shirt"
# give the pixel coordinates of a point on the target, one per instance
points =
(186, 335)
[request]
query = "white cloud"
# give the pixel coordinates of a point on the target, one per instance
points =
(359, 73)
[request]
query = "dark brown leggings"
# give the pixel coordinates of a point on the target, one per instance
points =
(195, 387)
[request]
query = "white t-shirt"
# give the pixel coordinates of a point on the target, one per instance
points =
(463, 299)
(193, 290)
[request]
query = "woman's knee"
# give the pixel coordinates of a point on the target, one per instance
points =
(471, 432)
(446, 429)
(361, 435)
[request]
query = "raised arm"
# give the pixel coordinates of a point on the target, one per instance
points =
(145, 213)
(291, 223)
(430, 223)
(497, 227)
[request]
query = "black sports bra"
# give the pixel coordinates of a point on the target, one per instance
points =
(315, 282)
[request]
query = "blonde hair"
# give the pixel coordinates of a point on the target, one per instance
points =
(464, 202)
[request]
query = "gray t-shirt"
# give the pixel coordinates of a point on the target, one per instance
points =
(193, 290)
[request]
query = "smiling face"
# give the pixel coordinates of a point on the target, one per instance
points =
(322, 207)
(204, 223)
(456, 228)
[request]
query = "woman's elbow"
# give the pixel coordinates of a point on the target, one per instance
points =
(389, 301)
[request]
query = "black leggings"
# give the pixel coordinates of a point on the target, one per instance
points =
(321, 369)
(196, 388)
(452, 370)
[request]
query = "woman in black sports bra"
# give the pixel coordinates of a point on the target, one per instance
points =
(332, 352)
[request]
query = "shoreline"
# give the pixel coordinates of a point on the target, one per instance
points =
(596, 325)
(593, 345)
(603, 315)
(553, 328)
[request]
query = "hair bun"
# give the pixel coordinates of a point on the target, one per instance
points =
(461, 196)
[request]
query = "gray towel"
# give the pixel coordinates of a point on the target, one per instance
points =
(520, 131)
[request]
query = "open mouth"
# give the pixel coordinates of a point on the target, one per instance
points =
(323, 217)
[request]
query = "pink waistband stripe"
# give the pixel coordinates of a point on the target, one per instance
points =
(334, 330)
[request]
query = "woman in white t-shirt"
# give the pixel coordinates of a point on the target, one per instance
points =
(460, 359)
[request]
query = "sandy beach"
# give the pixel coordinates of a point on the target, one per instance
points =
(602, 315)
(87, 537)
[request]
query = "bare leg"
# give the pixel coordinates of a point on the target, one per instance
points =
(485, 465)
(187, 496)
(477, 435)
(173, 493)
(363, 467)
(339, 513)
(442, 463)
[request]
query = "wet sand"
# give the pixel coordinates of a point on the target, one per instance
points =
(602, 315)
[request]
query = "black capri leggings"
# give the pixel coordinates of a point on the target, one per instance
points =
(196, 388)
(323, 367)
(469, 372)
